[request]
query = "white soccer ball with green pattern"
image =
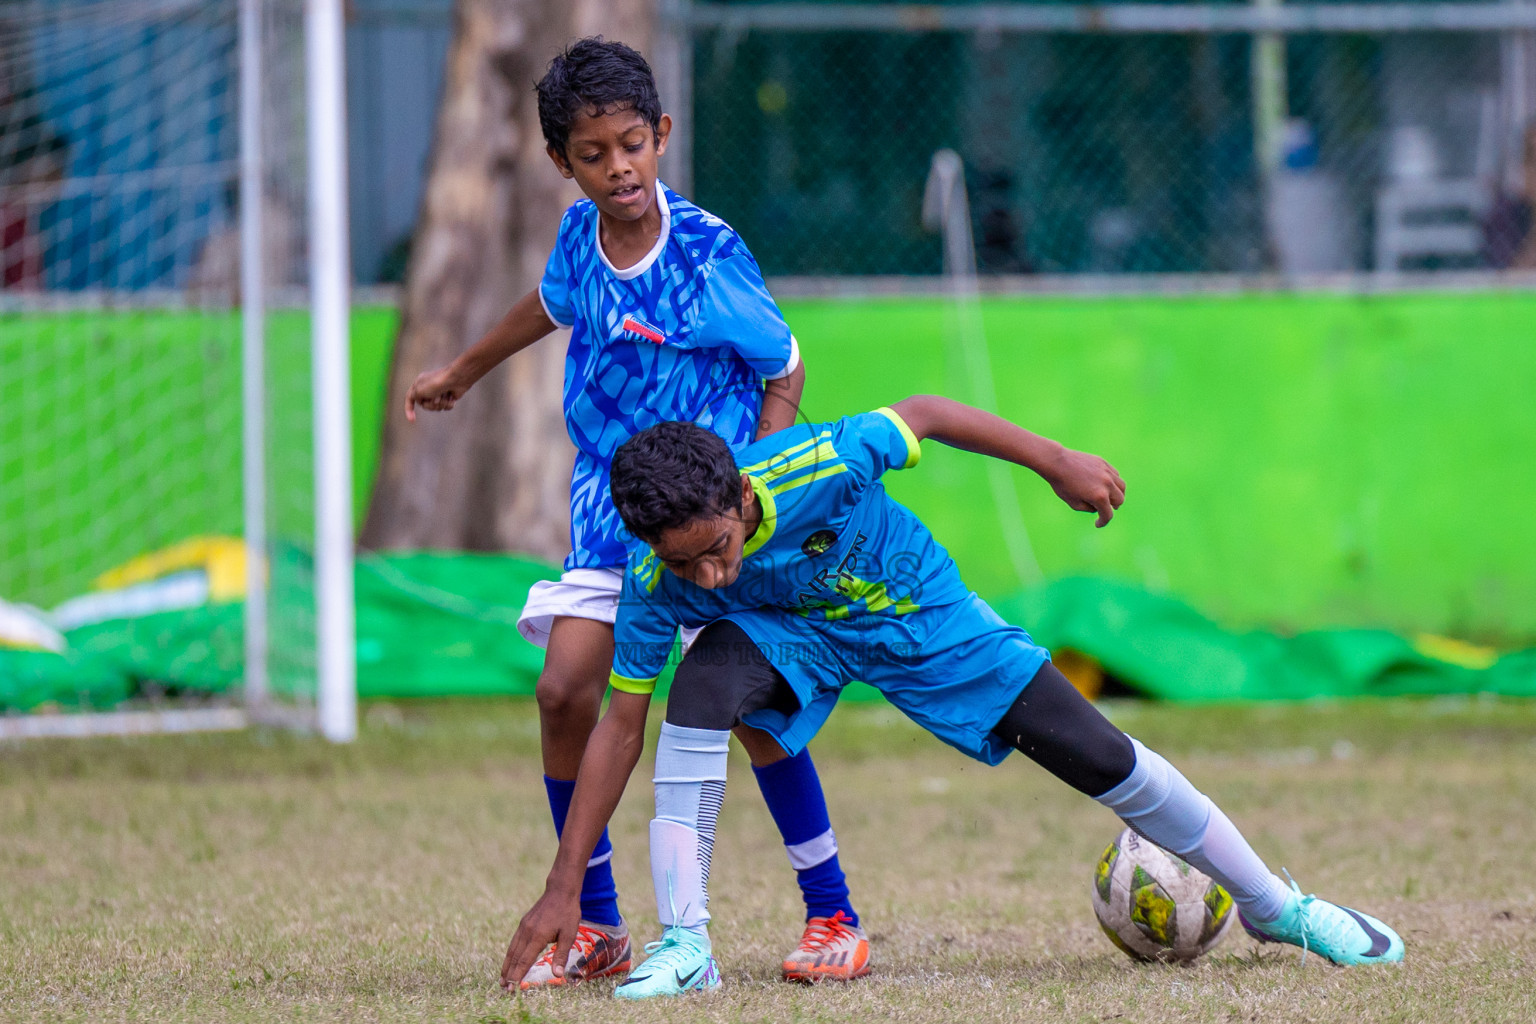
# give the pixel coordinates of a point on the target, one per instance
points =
(1154, 906)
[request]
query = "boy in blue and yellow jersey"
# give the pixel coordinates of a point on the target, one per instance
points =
(806, 575)
(669, 320)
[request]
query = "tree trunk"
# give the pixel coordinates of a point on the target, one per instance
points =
(494, 473)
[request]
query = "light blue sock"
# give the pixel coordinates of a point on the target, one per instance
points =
(1161, 804)
(690, 787)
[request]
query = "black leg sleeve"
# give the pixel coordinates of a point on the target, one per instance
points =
(723, 678)
(1055, 726)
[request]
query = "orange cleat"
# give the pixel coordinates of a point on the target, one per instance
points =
(831, 948)
(597, 952)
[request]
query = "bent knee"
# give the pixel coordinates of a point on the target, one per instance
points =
(561, 695)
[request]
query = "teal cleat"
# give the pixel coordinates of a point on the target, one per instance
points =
(1345, 936)
(679, 963)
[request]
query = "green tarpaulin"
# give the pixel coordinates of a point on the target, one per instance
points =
(430, 625)
(444, 624)
(1162, 648)
(29, 679)
(427, 625)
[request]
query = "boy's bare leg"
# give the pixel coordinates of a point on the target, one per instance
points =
(762, 748)
(570, 693)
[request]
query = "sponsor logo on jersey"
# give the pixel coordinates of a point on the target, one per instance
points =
(818, 543)
(634, 325)
(818, 590)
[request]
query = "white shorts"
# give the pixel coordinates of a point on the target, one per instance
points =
(577, 594)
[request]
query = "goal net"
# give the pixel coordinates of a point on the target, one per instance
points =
(157, 459)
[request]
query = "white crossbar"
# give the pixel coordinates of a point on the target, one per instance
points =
(121, 723)
(1105, 18)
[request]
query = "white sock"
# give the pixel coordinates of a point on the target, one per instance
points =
(690, 786)
(1161, 804)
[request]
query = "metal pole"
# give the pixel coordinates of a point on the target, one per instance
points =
(674, 71)
(684, 159)
(253, 387)
(947, 209)
(1518, 82)
(1269, 112)
(329, 277)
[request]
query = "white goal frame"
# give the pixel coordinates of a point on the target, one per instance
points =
(334, 713)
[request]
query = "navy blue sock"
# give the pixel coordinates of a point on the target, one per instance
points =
(599, 896)
(793, 793)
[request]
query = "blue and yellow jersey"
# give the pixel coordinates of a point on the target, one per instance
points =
(833, 546)
(688, 333)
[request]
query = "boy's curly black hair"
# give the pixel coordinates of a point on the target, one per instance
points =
(673, 474)
(595, 76)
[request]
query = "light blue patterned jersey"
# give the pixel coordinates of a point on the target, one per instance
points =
(833, 547)
(688, 333)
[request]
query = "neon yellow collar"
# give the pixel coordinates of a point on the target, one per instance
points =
(770, 517)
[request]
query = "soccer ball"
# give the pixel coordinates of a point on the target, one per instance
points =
(1154, 906)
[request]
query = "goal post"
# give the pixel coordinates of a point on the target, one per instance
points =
(175, 488)
(946, 209)
(253, 348)
(330, 273)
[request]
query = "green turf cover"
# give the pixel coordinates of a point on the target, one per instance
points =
(1163, 648)
(434, 624)
(32, 679)
(427, 625)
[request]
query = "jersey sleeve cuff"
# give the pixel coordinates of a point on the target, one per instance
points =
(626, 684)
(914, 451)
(793, 362)
(551, 313)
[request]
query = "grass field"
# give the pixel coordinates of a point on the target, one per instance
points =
(263, 876)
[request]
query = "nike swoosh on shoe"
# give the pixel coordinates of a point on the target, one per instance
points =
(684, 982)
(1379, 942)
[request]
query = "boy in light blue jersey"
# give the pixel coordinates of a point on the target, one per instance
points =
(669, 319)
(806, 575)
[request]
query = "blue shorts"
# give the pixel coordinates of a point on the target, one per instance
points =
(954, 669)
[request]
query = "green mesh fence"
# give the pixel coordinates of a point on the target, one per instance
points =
(1108, 151)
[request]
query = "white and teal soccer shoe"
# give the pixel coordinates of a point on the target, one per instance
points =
(678, 964)
(1345, 936)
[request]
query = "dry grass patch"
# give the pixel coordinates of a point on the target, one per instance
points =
(266, 877)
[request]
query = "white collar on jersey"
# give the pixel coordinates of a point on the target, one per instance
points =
(629, 273)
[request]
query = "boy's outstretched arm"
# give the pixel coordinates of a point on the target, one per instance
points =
(612, 752)
(1085, 482)
(525, 323)
(781, 402)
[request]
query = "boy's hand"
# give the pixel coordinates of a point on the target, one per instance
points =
(436, 390)
(525, 323)
(554, 918)
(1086, 483)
